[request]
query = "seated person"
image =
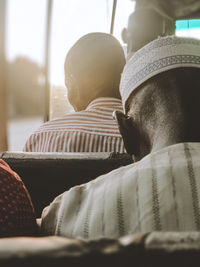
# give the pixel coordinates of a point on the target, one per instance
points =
(16, 209)
(160, 90)
(93, 69)
(144, 26)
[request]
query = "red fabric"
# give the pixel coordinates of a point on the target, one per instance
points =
(17, 215)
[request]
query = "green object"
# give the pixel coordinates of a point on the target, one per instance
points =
(187, 24)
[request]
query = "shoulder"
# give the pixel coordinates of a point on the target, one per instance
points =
(68, 118)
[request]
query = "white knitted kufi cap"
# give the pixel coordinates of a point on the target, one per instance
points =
(158, 56)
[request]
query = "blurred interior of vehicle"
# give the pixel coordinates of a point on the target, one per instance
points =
(35, 36)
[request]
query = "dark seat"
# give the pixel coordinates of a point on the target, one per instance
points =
(47, 175)
(154, 249)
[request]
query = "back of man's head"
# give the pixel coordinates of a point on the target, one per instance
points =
(93, 69)
(160, 90)
(145, 25)
(169, 104)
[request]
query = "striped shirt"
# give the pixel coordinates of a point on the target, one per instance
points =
(161, 192)
(91, 130)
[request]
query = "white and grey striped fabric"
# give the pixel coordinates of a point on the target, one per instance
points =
(161, 192)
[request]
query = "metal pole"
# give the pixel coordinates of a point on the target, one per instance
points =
(113, 16)
(3, 103)
(46, 69)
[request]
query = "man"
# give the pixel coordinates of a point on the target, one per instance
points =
(160, 90)
(144, 26)
(93, 69)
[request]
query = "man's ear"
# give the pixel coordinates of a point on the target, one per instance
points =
(73, 91)
(129, 132)
(124, 35)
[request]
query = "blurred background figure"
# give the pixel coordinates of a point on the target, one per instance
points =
(145, 25)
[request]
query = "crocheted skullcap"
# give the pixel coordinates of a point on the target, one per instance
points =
(160, 55)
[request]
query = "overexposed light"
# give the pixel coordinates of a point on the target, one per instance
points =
(26, 21)
(192, 33)
(71, 20)
(124, 9)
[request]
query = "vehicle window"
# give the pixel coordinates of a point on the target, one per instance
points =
(70, 21)
(123, 9)
(188, 28)
(25, 42)
(25, 53)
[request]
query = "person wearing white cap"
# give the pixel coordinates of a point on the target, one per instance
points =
(160, 90)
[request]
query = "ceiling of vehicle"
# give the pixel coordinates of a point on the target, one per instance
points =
(177, 9)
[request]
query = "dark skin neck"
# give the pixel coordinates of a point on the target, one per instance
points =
(166, 131)
(166, 115)
(170, 131)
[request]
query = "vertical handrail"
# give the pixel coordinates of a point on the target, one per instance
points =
(113, 16)
(3, 102)
(46, 68)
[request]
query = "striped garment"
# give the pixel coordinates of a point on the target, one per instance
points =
(91, 130)
(159, 193)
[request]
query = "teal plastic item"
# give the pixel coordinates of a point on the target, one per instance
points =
(187, 24)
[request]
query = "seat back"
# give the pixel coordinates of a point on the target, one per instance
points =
(47, 175)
